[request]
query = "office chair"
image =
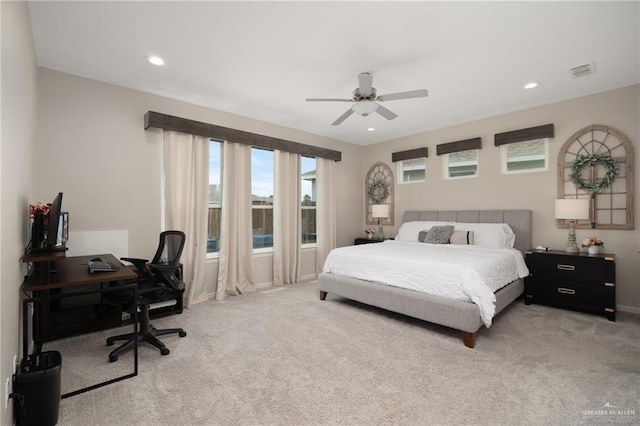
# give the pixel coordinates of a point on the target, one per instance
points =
(158, 280)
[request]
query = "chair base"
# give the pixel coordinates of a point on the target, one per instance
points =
(147, 333)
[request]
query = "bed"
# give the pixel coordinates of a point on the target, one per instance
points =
(460, 315)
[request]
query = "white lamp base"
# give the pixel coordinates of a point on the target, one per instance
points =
(572, 247)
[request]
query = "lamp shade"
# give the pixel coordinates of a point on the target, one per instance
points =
(573, 209)
(380, 210)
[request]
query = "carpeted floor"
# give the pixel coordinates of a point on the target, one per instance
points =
(283, 357)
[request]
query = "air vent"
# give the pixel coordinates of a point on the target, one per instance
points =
(583, 70)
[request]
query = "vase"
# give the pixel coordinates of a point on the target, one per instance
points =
(370, 236)
(593, 249)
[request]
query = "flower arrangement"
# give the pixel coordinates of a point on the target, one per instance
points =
(370, 231)
(592, 241)
(39, 208)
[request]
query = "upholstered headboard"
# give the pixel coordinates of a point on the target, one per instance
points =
(518, 220)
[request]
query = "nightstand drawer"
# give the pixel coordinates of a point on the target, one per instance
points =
(586, 296)
(570, 268)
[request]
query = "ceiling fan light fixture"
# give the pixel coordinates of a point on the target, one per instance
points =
(364, 108)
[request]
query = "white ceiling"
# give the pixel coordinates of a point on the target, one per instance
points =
(263, 59)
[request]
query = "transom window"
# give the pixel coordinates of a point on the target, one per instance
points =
(412, 171)
(461, 164)
(525, 157)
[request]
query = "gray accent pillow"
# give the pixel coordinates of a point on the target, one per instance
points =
(461, 237)
(439, 235)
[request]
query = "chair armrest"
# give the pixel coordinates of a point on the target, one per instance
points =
(135, 260)
(140, 265)
(169, 274)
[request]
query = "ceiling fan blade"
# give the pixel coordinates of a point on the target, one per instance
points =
(328, 100)
(386, 113)
(403, 95)
(342, 117)
(366, 80)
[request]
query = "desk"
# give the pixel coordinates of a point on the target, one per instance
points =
(81, 311)
(69, 277)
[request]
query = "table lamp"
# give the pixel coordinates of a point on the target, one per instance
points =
(379, 211)
(573, 210)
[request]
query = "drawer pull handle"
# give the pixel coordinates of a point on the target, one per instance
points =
(566, 290)
(566, 267)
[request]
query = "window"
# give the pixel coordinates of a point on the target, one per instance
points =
(215, 196)
(525, 157)
(461, 164)
(308, 194)
(262, 181)
(412, 171)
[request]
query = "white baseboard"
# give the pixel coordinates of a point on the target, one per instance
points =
(629, 309)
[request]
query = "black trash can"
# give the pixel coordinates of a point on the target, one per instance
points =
(37, 389)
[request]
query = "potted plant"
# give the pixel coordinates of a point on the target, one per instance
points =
(593, 244)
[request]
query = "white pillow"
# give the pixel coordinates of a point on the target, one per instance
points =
(409, 230)
(461, 237)
(498, 235)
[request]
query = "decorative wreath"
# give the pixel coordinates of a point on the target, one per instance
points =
(591, 160)
(378, 190)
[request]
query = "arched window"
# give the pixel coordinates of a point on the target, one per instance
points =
(611, 199)
(379, 190)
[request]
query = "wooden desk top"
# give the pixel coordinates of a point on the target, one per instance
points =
(73, 272)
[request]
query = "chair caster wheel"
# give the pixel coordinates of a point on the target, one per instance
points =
(182, 334)
(164, 351)
(113, 358)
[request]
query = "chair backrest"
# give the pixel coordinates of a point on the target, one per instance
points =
(169, 248)
(167, 260)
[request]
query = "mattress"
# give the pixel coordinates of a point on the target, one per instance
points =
(460, 272)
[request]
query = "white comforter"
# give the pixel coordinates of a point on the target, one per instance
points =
(461, 272)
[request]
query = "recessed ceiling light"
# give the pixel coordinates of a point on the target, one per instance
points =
(155, 60)
(371, 129)
(531, 85)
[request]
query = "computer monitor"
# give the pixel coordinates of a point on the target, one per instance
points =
(54, 223)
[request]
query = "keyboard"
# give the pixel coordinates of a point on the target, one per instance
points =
(101, 266)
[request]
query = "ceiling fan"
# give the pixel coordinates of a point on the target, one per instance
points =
(365, 97)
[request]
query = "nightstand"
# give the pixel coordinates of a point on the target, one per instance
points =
(578, 281)
(364, 240)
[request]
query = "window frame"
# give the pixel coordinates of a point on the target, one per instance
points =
(445, 166)
(216, 254)
(263, 206)
(400, 171)
(504, 158)
(315, 207)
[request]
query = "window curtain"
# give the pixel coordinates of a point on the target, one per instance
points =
(235, 269)
(325, 210)
(186, 177)
(287, 220)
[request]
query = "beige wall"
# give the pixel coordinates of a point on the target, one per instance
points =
(94, 148)
(17, 174)
(536, 191)
(93, 134)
